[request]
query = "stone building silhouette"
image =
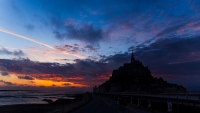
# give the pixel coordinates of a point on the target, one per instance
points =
(134, 77)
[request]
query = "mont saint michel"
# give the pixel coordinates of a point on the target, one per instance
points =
(134, 77)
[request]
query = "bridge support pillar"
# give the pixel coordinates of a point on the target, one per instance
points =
(149, 103)
(138, 101)
(131, 100)
(169, 106)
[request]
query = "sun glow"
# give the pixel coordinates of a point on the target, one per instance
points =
(13, 80)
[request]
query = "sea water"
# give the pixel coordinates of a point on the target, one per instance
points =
(30, 97)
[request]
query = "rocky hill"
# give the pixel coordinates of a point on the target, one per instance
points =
(134, 77)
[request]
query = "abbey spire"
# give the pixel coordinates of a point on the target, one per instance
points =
(132, 58)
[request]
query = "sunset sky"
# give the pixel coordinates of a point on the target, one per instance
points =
(75, 44)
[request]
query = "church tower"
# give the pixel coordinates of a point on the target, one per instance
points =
(132, 58)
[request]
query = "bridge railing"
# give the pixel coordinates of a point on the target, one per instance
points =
(177, 102)
(185, 96)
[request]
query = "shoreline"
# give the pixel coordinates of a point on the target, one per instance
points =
(59, 106)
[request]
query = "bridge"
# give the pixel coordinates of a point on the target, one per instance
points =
(176, 103)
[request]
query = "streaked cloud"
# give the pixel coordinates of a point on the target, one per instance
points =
(26, 77)
(15, 53)
(7, 83)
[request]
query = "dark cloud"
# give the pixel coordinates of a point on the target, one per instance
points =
(63, 59)
(53, 85)
(91, 48)
(88, 68)
(76, 48)
(4, 73)
(32, 82)
(7, 83)
(68, 48)
(3, 68)
(29, 70)
(76, 45)
(79, 72)
(180, 28)
(172, 56)
(66, 84)
(117, 58)
(172, 49)
(15, 53)
(168, 30)
(87, 33)
(26, 77)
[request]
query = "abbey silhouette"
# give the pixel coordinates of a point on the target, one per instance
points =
(134, 77)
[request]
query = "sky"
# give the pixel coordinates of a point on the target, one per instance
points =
(75, 44)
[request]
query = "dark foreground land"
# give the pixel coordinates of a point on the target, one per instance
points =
(91, 103)
(59, 106)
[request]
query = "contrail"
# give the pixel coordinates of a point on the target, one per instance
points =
(35, 41)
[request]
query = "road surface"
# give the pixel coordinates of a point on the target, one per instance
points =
(102, 105)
